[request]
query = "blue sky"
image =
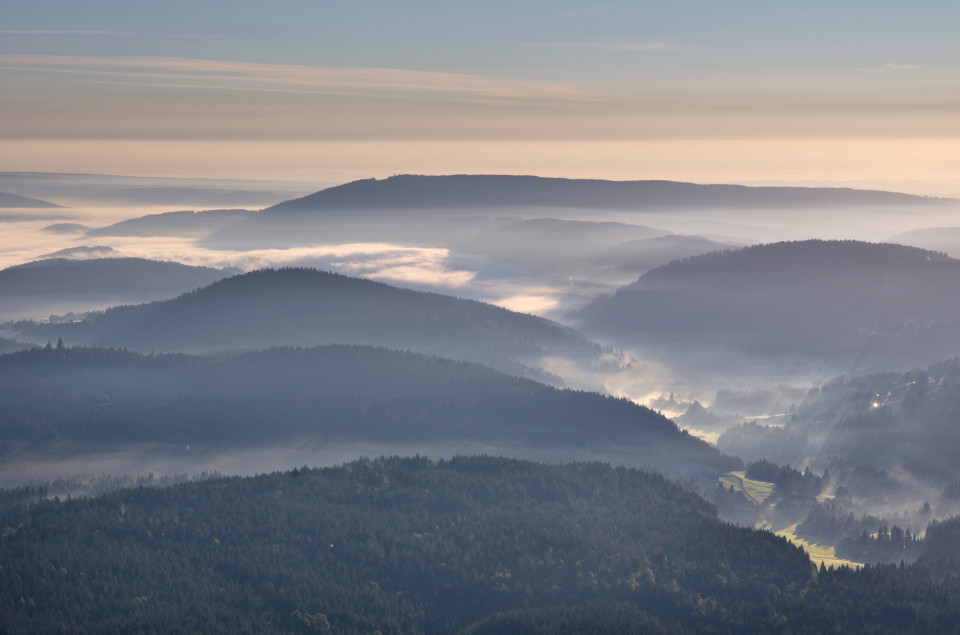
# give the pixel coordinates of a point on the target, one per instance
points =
(445, 71)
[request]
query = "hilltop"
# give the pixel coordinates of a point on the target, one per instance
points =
(308, 307)
(478, 191)
(69, 284)
(845, 305)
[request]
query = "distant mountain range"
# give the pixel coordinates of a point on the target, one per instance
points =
(479, 191)
(841, 305)
(90, 399)
(307, 307)
(186, 223)
(67, 277)
(13, 200)
(83, 190)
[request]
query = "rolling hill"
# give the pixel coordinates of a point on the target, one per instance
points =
(186, 223)
(307, 307)
(481, 191)
(472, 545)
(827, 305)
(14, 200)
(75, 400)
(54, 284)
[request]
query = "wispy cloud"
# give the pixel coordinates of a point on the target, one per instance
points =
(643, 47)
(105, 33)
(285, 77)
(418, 266)
(886, 68)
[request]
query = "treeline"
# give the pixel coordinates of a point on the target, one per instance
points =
(415, 546)
(308, 307)
(83, 399)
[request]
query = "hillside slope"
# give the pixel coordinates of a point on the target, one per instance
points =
(57, 284)
(90, 399)
(841, 305)
(15, 200)
(307, 307)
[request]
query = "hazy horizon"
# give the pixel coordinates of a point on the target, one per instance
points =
(858, 95)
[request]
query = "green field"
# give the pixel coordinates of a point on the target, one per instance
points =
(820, 554)
(759, 491)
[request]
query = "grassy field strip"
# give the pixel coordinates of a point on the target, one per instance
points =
(759, 491)
(819, 554)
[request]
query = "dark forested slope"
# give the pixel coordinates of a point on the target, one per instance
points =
(842, 305)
(412, 546)
(307, 307)
(887, 420)
(66, 278)
(75, 399)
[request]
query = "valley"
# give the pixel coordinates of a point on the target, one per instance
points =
(764, 379)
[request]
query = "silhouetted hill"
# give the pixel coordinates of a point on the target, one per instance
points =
(306, 307)
(66, 228)
(105, 276)
(91, 399)
(87, 190)
(55, 284)
(844, 305)
(462, 191)
(13, 200)
(185, 223)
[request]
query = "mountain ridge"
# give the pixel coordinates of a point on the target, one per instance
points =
(306, 307)
(15, 200)
(462, 190)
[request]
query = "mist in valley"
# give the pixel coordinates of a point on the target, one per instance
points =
(746, 396)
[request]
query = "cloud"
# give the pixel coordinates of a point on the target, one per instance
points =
(644, 47)
(536, 304)
(890, 67)
(216, 74)
(417, 266)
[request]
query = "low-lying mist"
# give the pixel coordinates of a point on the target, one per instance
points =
(156, 459)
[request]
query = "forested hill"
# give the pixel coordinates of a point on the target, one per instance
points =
(471, 191)
(67, 278)
(853, 304)
(412, 546)
(889, 420)
(15, 201)
(97, 399)
(307, 307)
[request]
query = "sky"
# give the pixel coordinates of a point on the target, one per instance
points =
(843, 92)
